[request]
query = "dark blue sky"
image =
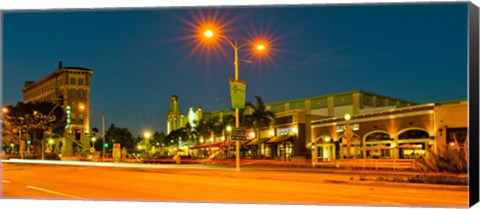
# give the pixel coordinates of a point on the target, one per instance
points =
(141, 57)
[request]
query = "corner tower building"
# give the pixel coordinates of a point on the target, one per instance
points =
(73, 83)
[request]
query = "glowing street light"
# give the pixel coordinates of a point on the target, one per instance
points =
(348, 133)
(208, 33)
(260, 47)
(147, 136)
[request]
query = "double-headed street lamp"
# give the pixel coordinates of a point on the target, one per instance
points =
(209, 33)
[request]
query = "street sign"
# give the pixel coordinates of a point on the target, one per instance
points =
(240, 138)
(238, 132)
(116, 154)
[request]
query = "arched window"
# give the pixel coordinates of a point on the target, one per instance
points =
(414, 134)
(378, 136)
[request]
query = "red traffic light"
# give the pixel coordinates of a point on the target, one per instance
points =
(77, 134)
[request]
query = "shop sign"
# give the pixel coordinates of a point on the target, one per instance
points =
(283, 131)
(354, 127)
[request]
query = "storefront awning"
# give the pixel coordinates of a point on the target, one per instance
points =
(257, 141)
(226, 144)
(206, 145)
(279, 139)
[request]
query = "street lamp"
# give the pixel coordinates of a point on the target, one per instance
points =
(82, 108)
(236, 47)
(229, 134)
(348, 133)
(147, 135)
(93, 141)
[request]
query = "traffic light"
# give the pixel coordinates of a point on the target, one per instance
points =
(77, 134)
(60, 99)
(29, 141)
(106, 145)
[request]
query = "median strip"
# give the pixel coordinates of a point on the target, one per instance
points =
(54, 192)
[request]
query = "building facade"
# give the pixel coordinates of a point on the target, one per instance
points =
(290, 133)
(398, 133)
(176, 119)
(73, 83)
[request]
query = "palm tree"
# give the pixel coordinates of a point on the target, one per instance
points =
(260, 117)
(207, 128)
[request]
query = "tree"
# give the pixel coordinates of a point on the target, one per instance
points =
(260, 117)
(120, 135)
(32, 121)
(177, 137)
(158, 137)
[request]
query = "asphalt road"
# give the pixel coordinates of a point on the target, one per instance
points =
(197, 185)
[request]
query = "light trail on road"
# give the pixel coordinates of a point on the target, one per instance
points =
(196, 185)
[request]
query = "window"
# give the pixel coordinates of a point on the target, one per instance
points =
(80, 118)
(72, 81)
(413, 134)
(378, 137)
(80, 81)
(456, 135)
(80, 93)
(72, 93)
(72, 118)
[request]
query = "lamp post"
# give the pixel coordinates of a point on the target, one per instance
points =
(229, 131)
(236, 47)
(147, 135)
(82, 108)
(348, 133)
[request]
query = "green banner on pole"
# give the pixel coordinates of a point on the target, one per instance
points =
(238, 90)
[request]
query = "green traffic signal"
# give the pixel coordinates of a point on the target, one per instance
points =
(29, 141)
(106, 145)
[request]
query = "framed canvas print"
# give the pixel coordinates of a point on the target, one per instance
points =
(361, 104)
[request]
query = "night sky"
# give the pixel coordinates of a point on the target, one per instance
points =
(141, 57)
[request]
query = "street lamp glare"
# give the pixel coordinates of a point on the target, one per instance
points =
(81, 107)
(347, 117)
(229, 128)
(147, 134)
(208, 33)
(261, 47)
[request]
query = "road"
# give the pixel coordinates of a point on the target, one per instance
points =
(197, 185)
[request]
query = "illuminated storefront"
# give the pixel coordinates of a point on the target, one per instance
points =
(399, 133)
